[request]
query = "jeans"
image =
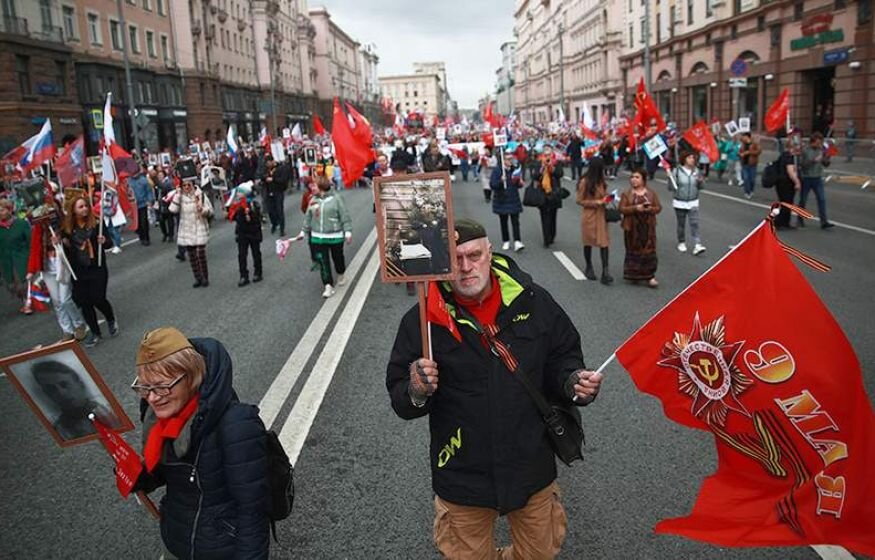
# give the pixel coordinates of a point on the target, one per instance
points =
(683, 215)
(814, 184)
(68, 315)
(576, 168)
(749, 177)
(114, 234)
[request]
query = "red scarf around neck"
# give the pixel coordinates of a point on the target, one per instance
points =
(166, 428)
(486, 311)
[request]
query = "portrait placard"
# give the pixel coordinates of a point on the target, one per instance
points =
(415, 227)
(95, 164)
(731, 128)
(310, 155)
(152, 159)
(165, 159)
(715, 127)
(655, 147)
(61, 386)
(744, 124)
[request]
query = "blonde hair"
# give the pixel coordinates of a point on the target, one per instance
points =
(187, 360)
(7, 203)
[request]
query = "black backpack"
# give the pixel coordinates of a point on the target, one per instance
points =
(773, 172)
(281, 478)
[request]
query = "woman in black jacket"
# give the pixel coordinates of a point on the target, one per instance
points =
(83, 245)
(548, 178)
(207, 447)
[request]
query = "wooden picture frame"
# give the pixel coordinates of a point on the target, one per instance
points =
(415, 227)
(95, 164)
(165, 159)
(65, 379)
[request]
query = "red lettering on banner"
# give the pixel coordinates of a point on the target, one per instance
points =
(805, 414)
(830, 494)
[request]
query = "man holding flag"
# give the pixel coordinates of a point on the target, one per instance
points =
(490, 453)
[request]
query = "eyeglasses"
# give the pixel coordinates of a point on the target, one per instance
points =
(159, 390)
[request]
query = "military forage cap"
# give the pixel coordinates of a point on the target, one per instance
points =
(467, 230)
(160, 343)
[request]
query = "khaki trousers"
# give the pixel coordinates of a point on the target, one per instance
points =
(536, 530)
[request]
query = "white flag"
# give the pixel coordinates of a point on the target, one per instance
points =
(108, 130)
(296, 132)
(587, 117)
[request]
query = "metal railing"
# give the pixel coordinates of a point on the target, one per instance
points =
(49, 33)
(15, 25)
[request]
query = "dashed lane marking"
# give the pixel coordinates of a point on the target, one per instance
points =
(569, 266)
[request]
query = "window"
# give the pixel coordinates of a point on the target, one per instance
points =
(709, 9)
(658, 28)
(864, 12)
(22, 68)
(203, 94)
(841, 4)
(643, 30)
(761, 23)
(631, 36)
(115, 35)
(135, 39)
(798, 11)
(150, 44)
(775, 36)
(733, 31)
(94, 34)
(68, 13)
(45, 12)
(165, 51)
(147, 5)
(61, 78)
(690, 12)
(161, 10)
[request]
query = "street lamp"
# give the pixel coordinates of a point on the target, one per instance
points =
(560, 28)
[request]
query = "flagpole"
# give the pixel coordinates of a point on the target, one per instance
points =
(61, 254)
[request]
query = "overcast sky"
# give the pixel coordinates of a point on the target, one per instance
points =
(466, 34)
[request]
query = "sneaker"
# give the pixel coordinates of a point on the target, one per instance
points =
(113, 328)
(90, 340)
(115, 250)
(748, 195)
(243, 281)
(653, 283)
(682, 247)
(328, 291)
(26, 310)
(505, 246)
(257, 278)
(518, 246)
(698, 249)
(80, 332)
(197, 284)
(341, 279)
(180, 257)
(67, 337)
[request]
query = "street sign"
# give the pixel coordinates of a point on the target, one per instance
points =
(738, 67)
(738, 82)
(838, 56)
(142, 120)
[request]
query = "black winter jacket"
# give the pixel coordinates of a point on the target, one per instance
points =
(489, 446)
(251, 228)
(217, 499)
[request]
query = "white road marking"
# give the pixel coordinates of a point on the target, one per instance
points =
(831, 552)
(129, 242)
(281, 387)
(300, 420)
(569, 266)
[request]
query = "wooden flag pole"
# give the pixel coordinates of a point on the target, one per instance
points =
(424, 327)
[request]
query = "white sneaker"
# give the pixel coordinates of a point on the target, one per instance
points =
(698, 249)
(341, 279)
(682, 247)
(115, 250)
(518, 246)
(328, 291)
(505, 246)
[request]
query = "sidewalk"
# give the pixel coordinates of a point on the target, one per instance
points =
(864, 166)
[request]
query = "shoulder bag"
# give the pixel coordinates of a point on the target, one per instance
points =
(534, 196)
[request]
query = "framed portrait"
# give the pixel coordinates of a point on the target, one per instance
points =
(414, 227)
(731, 128)
(186, 169)
(165, 159)
(153, 159)
(205, 147)
(310, 156)
(62, 388)
(30, 194)
(95, 164)
(744, 124)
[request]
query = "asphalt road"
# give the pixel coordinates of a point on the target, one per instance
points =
(362, 474)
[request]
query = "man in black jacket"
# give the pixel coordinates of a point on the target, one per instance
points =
(490, 454)
(275, 183)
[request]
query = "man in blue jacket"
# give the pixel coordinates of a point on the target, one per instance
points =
(490, 454)
(145, 197)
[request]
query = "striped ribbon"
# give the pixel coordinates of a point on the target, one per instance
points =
(803, 213)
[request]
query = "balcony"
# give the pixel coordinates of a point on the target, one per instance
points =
(49, 33)
(15, 25)
(223, 15)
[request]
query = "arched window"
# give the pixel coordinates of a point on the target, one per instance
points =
(699, 68)
(750, 57)
(664, 76)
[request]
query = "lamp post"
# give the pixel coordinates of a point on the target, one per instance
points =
(561, 29)
(647, 43)
(271, 49)
(132, 106)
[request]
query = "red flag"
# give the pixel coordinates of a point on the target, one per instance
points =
(128, 465)
(588, 133)
(699, 137)
(362, 130)
(489, 116)
(646, 109)
(793, 426)
(776, 116)
(830, 149)
(436, 311)
(351, 155)
(70, 165)
(128, 202)
(124, 162)
(318, 128)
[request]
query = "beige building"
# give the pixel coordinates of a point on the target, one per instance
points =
(415, 91)
(338, 72)
(821, 50)
(567, 52)
(368, 64)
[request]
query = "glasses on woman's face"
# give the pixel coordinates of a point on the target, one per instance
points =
(159, 390)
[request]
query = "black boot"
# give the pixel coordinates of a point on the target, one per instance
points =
(607, 279)
(589, 273)
(243, 281)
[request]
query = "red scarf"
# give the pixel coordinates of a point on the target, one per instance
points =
(486, 311)
(166, 428)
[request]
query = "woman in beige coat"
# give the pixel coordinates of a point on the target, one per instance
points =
(193, 208)
(591, 194)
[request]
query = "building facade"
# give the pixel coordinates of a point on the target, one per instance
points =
(504, 79)
(413, 92)
(724, 60)
(567, 54)
(338, 72)
(438, 69)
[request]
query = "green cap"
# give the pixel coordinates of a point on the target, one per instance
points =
(467, 230)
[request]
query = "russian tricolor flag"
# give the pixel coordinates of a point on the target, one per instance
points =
(232, 142)
(38, 149)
